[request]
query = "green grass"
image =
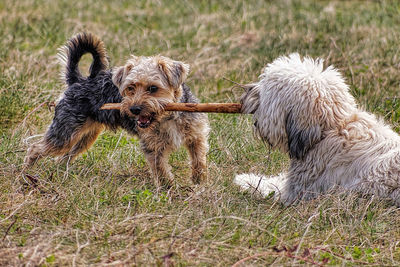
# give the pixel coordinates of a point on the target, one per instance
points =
(104, 209)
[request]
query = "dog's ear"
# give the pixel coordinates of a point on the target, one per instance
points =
(119, 75)
(301, 136)
(175, 71)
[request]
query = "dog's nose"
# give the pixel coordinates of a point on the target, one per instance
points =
(135, 110)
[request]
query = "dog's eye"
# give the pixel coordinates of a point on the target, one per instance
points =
(131, 88)
(152, 89)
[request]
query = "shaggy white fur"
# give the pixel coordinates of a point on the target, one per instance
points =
(307, 111)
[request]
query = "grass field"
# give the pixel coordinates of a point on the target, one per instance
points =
(104, 210)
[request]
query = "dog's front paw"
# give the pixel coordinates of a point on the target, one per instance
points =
(264, 185)
(199, 176)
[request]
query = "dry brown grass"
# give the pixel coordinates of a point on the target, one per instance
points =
(103, 208)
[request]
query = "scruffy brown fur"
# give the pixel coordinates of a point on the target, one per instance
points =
(147, 84)
(143, 86)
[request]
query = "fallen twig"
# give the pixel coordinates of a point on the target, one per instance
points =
(9, 228)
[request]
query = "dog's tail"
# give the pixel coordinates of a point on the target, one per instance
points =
(76, 47)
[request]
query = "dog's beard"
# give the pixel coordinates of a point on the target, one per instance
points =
(265, 126)
(250, 101)
(263, 136)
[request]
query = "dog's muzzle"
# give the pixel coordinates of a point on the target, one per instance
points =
(143, 120)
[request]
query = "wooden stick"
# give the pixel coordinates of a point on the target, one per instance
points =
(191, 107)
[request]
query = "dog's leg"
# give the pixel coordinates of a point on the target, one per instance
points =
(160, 169)
(197, 147)
(37, 151)
(86, 139)
(44, 148)
(58, 140)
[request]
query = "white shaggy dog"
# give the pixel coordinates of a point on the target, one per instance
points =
(307, 111)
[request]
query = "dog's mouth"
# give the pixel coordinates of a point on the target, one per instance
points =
(145, 121)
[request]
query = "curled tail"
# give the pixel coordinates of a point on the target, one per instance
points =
(76, 47)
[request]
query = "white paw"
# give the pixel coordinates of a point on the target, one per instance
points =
(262, 184)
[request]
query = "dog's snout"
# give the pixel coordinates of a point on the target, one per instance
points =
(135, 110)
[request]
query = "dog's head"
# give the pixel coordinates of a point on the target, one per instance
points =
(295, 101)
(147, 84)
